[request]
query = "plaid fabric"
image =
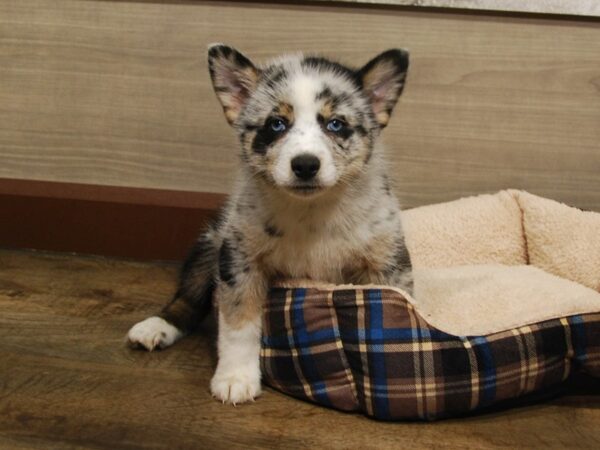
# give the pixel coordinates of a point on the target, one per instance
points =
(369, 350)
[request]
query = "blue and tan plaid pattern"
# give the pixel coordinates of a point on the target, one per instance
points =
(368, 350)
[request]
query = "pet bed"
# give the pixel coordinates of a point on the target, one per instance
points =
(506, 302)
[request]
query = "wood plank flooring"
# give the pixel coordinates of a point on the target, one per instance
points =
(67, 379)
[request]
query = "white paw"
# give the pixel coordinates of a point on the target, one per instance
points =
(152, 333)
(239, 386)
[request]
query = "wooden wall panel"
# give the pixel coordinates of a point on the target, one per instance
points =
(117, 93)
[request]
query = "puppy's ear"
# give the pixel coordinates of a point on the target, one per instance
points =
(234, 77)
(383, 80)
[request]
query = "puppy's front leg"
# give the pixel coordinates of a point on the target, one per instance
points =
(240, 299)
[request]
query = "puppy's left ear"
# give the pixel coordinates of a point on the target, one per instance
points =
(383, 80)
(234, 77)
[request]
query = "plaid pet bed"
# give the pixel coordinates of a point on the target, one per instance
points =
(368, 350)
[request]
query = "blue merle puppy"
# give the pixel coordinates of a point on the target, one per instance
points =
(312, 201)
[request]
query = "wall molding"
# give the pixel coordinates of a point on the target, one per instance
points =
(582, 8)
(140, 223)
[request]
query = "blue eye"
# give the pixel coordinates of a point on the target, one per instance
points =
(335, 125)
(278, 125)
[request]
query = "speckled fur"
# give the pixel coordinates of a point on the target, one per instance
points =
(343, 226)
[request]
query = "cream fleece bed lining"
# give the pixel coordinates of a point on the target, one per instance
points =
(485, 299)
(471, 257)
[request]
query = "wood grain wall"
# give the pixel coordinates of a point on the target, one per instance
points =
(117, 93)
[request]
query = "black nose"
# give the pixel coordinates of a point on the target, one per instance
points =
(305, 166)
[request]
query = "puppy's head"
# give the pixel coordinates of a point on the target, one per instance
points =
(306, 124)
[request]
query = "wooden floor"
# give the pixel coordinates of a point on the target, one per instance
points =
(67, 379)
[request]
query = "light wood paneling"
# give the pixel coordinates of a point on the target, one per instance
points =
(67, 380)
(118, 93)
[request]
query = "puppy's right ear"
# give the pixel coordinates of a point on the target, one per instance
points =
(383, 81)
(234, 77)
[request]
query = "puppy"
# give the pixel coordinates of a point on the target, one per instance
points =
(312, 201)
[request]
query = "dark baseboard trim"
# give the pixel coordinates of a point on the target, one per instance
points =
(126, 222)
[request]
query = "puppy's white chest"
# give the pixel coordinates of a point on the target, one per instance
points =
(317, 256)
